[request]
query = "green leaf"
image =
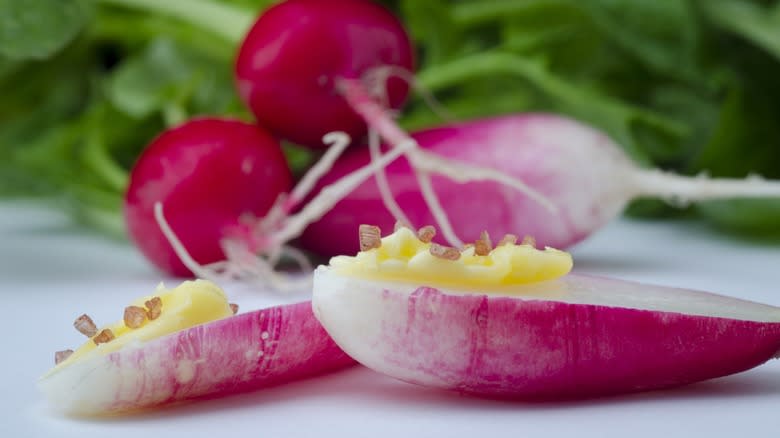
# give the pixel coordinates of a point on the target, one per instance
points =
(167, 77)
(560, 94)
(36, 29)
(746, 141)
(758, 24)
(486, 12)
(756, 217)
(747, 138)
(430, 24)
(663, 35)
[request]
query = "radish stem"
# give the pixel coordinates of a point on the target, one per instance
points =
(229, 22)
(476, 13)
(101, 162)
(381, 180)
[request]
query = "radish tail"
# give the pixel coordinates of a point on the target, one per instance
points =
(683, 190)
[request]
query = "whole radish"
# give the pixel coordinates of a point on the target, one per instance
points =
(580, 170)
(292, 64)
(208, 173)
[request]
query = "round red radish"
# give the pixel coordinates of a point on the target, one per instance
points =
(573, 337)
(207, 173)
(233, 355)
(291, 61)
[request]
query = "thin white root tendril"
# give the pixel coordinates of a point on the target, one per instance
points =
(463, 173)
(337, 142)
(429, 194)
(381, 180)
(333, 193)
(240, 263)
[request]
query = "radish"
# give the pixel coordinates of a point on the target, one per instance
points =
(213, 175)
(298, 54)
(580, 170)
(236, 354)
(495, 333)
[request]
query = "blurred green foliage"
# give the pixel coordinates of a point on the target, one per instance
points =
(686, 85)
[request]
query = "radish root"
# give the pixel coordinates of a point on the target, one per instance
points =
(241, 263)
(374, 148)
(682, 190)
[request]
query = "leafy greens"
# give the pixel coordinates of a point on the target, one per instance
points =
(688, 85)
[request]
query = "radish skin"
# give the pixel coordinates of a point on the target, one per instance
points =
(584, 174)
(574, 337)
(291, 61)
(242, 353)
(212, 174)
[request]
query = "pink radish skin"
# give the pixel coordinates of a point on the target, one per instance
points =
(233, 355)
(208, 173)
(578, 169)
(555, 156)
(570, 338)
(290, 63)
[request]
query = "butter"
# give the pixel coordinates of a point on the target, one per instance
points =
(403, 257)
(190, 304)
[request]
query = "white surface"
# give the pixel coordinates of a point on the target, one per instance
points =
(50, 272)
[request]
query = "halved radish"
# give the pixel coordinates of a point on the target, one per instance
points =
(568, 337)
(232, 355)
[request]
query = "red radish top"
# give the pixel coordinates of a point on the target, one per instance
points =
(290, 63)
(207, 173)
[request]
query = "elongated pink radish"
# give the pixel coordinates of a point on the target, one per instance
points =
(578, 169)
(238, 354)
(212, 175)
(573, 337)
(292, 61)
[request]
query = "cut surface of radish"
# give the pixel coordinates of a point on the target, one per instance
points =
(570, 336)
(232, 355)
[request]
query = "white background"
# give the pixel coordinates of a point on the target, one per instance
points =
(51, 272)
